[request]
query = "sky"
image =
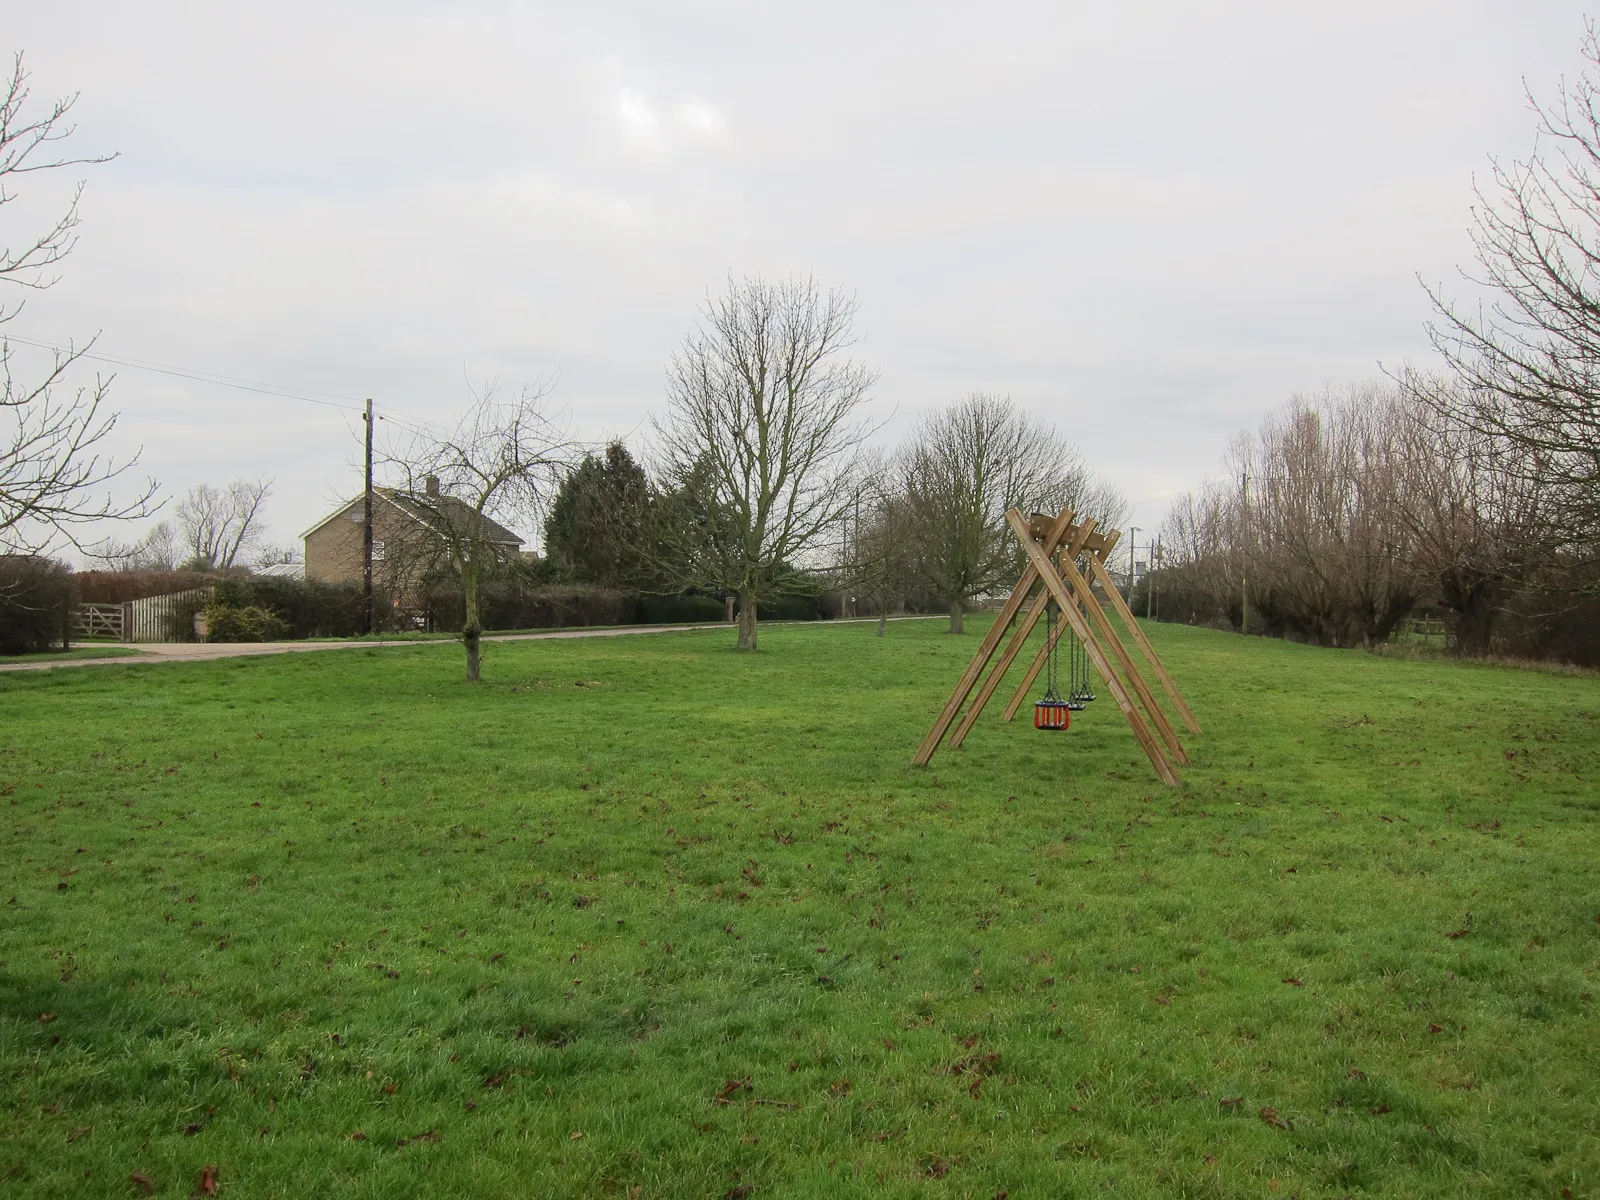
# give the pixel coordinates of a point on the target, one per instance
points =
(1149, 223)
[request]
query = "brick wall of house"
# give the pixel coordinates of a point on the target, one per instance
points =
(334, 550)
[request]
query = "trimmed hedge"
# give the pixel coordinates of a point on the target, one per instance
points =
(307, 607)
(114, 587)
(36, 598)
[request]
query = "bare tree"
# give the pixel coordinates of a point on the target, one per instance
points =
(157, 550)
(215, 526)
(1477, 508)
(963, 468)
(1530, 364)
(760, 438)
(874, 563)
(1311, 529)
(54, 469)
(504, 460)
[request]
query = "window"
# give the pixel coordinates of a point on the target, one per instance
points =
(377, 549)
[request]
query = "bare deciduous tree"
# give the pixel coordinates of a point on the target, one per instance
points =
(215, 526)
(760, 438)
(1531, 362)
(874, 562)
(1477, 507)
(962, 469)
(157, 550)
(504, 460)
(54, 469)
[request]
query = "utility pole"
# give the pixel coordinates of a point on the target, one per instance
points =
(1244, 554)
(366, 531)
(1133, 540)
(1150, 591)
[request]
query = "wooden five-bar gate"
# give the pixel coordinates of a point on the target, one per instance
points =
(153, 619)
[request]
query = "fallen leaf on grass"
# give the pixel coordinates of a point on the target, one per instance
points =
(1231, 1101)
(729, 1088)
(1435, 1028)
(208, 1180)
(1358, 1075)
(430, 1135)
(142, 1181)
(738, 1192)
(357, 1136)
(1378, 1110)
(80, 1131)
(191, 1130)
(936, 1167)
(1271, 1117)
(576, 1135)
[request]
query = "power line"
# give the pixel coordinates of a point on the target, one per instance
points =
(349, 404)
(244, 385)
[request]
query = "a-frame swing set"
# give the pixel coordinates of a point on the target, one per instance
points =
(1054, 587)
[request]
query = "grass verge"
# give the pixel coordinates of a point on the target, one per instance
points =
(81, 650)
(647, 917)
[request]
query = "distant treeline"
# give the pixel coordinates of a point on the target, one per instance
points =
(1346, 513)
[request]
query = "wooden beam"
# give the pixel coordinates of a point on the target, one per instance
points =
(1104, 543)
(1079, 536)
(1097, 565)
(1069, 610)
(990, 640)
(1120, 652)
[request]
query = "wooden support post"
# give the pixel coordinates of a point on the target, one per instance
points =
(1045, 571)
(1097, 566)
(1032, 673)
(991, 639)
(1097, 615)
(1074, 547)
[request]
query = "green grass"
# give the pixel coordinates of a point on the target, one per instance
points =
(343, 925)
(81, 650)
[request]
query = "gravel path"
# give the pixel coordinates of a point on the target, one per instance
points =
(152, 652)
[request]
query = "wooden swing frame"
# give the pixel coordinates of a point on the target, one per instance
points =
(1053, 546)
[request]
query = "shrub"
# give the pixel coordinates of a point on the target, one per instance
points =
(670, 610)
(226, 623)
(308, 607)
(36, 597)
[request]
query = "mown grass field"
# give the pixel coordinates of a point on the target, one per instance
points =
(643, 917)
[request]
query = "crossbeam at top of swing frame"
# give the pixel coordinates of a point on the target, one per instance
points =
(1052, 544)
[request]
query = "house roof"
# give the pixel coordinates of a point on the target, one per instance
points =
(436, 510)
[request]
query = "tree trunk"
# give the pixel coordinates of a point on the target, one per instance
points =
(472, 630)
(955, 616)
(883, 619)
(747, 621)
(1471, 599)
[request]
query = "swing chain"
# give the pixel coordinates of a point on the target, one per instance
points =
(1052, 617)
